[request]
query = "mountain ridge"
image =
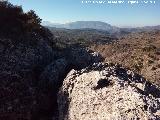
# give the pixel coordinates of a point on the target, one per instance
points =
(86, 24)
(99, 25)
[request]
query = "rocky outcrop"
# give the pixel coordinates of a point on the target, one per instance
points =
(106, 92)
(54, 72)
(80, 58)
(31, 72)
(21, 62)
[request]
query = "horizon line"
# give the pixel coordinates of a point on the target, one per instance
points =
(120, 26)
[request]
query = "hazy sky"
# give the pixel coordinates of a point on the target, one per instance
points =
(62, 11)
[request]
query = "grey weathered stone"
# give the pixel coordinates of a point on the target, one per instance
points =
(54, 71)
(82, 57)
(103, 92)
(20, 67)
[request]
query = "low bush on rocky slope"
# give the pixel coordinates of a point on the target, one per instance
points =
(25, 49)
(20, 26)
(17, 21)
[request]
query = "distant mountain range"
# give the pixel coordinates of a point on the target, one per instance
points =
(83, 25)
(98, 25)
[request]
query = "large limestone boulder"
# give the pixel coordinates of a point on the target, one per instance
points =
(107, 92)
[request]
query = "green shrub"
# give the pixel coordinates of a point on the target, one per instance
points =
(149, 48)
(154, 68)
(158, 66)
(157, 53)
(150, 61)
(138, 66)
(14, 21)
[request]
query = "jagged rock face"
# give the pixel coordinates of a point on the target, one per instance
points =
(81, 57)
(103, 92)
(20, 66)
(25, 59)
(54, 71)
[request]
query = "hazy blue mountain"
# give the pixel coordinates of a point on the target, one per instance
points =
(140, 29)
(98, 25)
(152, 27)
(86, 24)
(50, 24)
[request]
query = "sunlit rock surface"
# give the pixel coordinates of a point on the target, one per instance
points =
(107, 92)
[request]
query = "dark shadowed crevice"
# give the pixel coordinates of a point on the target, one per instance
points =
(102, 83)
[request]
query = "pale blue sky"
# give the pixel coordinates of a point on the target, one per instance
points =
(62, 11)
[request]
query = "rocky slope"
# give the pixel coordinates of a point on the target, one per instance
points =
(105, 92)
(83, 36)
(137, 51)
